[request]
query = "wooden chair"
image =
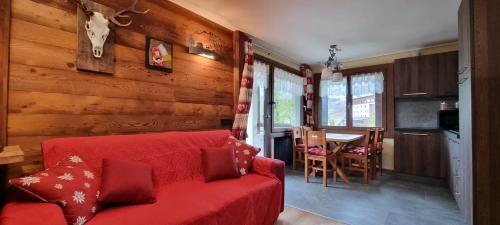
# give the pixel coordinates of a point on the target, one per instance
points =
(379, 145)
(305, 129)
(362, 155)
(297, 147)
(319, 153)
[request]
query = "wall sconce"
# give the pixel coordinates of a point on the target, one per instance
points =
(204, 52)
(212, 43)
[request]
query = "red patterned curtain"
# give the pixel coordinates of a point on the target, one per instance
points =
(308, 94)
(245, 98)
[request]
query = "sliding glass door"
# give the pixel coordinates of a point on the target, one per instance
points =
(259, 116)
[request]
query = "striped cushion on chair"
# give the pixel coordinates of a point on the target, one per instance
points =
(319, 151)
(359, 150)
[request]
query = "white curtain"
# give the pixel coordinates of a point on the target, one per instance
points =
(260, 74)
(362, 84)
(367, 84)
(331, 88)
(288, 82)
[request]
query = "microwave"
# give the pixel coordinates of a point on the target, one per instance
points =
(448, 119)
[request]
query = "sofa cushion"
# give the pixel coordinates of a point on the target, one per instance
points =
(175, 156)
(245, 154)
(70, 183)
(250, 200)
(126, 182)
(219, 163)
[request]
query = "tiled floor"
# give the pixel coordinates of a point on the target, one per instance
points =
(385, 201)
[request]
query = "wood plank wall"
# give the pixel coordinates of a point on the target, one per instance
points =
(4, 66)
(485, 81)
(49, 98)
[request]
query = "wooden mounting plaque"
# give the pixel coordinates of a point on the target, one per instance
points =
(85, 59)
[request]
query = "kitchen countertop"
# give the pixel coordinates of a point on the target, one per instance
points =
(418, 129)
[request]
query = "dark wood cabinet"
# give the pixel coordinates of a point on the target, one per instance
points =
(428, 67)
(406, 77)
(426, 76)
(447, 74)
(420, 153)
(464, 36)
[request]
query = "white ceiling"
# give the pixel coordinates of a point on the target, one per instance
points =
(302, 30)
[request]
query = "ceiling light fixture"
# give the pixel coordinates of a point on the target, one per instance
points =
(332, 66)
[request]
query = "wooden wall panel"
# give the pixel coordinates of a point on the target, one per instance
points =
(49, 98)
(5, 14)
(485, 81)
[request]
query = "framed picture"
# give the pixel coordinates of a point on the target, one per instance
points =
(159, 55)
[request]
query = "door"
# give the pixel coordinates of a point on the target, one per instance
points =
(419, 153)
(447, 74)
(465, 123)
(259, 116)
(427, 84)
(406, 77)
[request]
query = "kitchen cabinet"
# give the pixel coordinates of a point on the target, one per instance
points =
(406, 77)
(465, 181)
(420, 153)
(457, 169)
(426, 76)
(447, 70)
(464, 36)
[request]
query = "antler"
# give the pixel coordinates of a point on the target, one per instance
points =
(123, 14)
(84, 7)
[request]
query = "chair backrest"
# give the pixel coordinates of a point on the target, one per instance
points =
(296, 136)
(369, 141)
(317, 138)
(379, 138)
(305, 129)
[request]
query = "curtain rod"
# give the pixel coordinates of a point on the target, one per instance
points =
(270, 52)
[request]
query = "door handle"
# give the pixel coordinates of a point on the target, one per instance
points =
(416, 93)
(416, 134)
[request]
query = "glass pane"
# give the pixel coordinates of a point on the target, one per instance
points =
(255, 129)
(366, 101)
(288, 91)
(334, 104)
(287, 109)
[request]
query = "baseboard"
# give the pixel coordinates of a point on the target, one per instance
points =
(425, 180)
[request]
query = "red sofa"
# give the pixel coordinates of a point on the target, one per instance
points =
(183, 198)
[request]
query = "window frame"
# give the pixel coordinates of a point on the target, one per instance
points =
(273, 64)
(349, 73)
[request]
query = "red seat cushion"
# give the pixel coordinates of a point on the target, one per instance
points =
(302, 146)
(219, 163)
(70, 183)
(319, 151)
(358, 150)
(126, 182)
(222, 202)
(245, 154)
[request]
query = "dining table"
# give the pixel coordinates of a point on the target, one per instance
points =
(341, 140)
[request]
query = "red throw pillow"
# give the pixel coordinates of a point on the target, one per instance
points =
(245, 154)
(126, 182)
(70, 183)
(219, 163)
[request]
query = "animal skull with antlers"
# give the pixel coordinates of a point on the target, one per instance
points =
(97, 25)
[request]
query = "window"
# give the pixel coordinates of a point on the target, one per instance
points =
(334, 103)
(354, 102)
(287, 97)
